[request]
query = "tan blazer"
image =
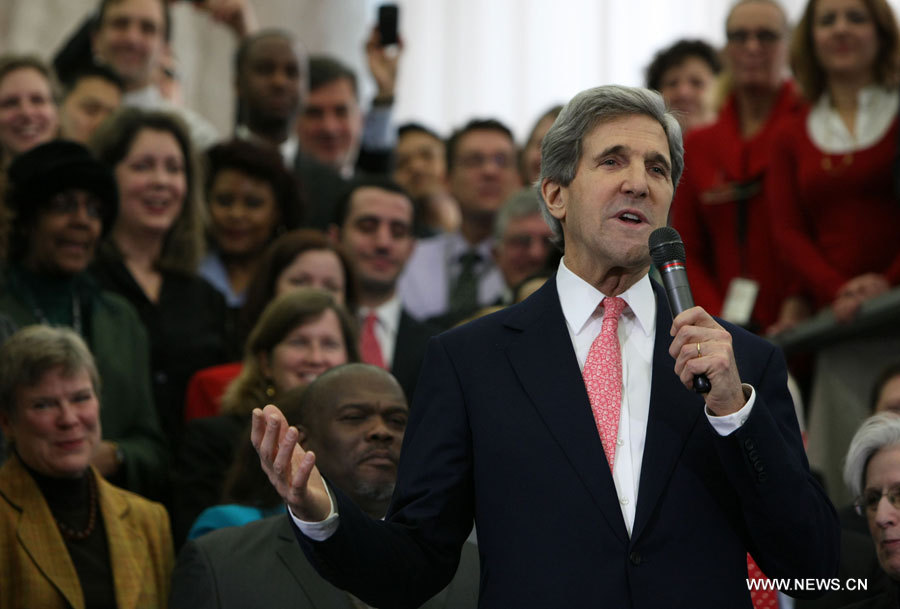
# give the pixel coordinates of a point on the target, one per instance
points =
(35, 567)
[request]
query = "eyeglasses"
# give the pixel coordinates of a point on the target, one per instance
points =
(477, 160)
(525, 241)
(68, 202)
(869, 500)
(764, 36)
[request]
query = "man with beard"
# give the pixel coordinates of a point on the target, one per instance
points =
(354, 417)
(374, 225)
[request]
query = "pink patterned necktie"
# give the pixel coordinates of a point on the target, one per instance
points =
(762, 599)
(603, 377)
(369, 349)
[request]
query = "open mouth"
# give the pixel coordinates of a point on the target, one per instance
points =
(631, 217)
(31, 131)
(156, 205)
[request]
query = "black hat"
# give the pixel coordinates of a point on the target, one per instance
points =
(58, 165)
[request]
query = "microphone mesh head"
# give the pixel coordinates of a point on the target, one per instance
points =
(666, 246)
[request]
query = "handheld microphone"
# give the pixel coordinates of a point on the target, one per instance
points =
(667, 251)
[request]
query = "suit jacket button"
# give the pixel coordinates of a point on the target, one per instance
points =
(762, 477)
(635, 558)
(748, 443)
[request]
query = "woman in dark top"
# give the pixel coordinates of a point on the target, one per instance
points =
(153, 249)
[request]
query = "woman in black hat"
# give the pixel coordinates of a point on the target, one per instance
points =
(61, 200)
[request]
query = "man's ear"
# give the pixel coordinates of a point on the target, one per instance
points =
(302, 436)
(555, 197)
(334, 233)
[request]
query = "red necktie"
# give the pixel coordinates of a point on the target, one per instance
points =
(368, 342)
(762, 599)
(603, 377)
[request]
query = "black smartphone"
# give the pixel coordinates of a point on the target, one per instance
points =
(387, 24)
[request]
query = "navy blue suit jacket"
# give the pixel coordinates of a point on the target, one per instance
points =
(502, 432)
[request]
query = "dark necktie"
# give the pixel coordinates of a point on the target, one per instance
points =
(464, 291)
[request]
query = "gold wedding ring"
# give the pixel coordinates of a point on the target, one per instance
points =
(699, 354)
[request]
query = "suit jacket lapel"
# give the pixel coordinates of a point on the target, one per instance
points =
(38, 534)
(544, 361)
(320, 593)
(673, 413)
(129, 567)
(401, 363)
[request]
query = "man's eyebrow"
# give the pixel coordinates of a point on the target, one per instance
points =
(616, 149)
(657, 157)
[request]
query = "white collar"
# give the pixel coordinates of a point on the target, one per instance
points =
(145, 97)
(457, 246)
(288, 148)
(875, 112)
(387, 313)
(579, 300)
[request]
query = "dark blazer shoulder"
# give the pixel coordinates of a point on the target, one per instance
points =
(258, 564)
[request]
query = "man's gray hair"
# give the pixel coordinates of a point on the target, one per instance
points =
(522, 203)
(562, 146)
(876, 433)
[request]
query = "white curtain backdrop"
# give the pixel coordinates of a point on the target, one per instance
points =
(513, 59)
(508, 59)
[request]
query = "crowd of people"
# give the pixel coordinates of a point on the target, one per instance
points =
(159, 281)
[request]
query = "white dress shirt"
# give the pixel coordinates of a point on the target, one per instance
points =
(637, 332)
(424, 285)
(288, 148)
(580, 302)
(387, 322)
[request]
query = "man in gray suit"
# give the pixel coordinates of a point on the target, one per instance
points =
(353, 417)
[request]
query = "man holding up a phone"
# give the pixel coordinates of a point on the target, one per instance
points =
(331, 126)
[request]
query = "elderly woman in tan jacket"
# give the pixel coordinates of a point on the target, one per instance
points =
(68, 538)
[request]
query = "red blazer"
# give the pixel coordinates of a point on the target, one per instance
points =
(205, 390)
(721, 167)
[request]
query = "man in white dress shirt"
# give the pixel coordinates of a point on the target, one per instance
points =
(453, 274)
(374, 225)
(504, 428)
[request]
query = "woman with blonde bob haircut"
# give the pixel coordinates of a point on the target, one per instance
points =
(68, 537)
